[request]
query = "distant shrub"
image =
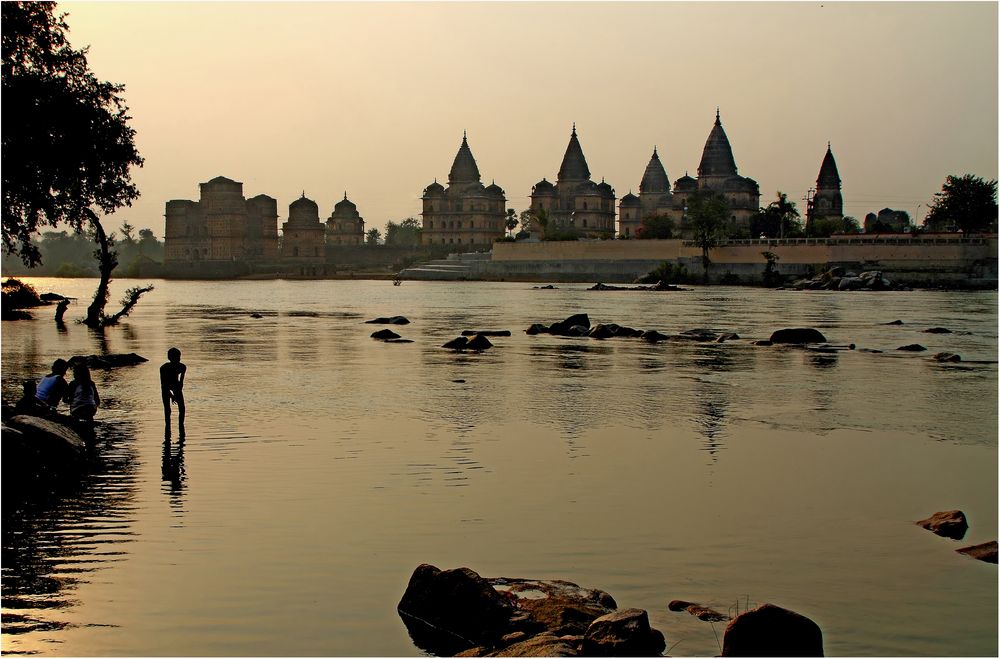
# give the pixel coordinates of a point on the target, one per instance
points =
(18, 295)
(668, 272)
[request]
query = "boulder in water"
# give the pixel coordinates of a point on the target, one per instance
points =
(949, 524)
(771, 631)
(985, 552)
(798, 335)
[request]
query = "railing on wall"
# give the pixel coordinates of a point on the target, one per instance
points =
(859, 239)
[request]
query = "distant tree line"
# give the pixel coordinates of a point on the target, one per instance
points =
(71, 254)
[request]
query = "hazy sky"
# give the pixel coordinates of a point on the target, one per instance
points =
(372, 98)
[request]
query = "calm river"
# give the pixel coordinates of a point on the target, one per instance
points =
(321, 466)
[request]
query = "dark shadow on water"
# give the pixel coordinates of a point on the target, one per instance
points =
(172, 468)
(56, 532)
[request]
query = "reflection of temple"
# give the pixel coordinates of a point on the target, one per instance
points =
(466, 212)
(575, 203)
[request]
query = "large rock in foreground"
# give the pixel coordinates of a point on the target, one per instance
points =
(771, 631)
(447, 611)
(34, 447)
(457, 612)
(798, 335)
(624, 633)
(949, 524)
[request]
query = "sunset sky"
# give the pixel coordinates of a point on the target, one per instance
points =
(372, 98)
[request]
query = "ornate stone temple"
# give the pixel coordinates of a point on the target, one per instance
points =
(575, 203)
(303, 236)
(222, 225)
(827, 202)
(717, 173)
(654, 198)
(466, 212)
(345, 225)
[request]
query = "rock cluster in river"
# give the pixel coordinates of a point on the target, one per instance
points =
(459, 613)
(840, 279)
(954, 525)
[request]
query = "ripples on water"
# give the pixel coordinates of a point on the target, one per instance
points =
(320, 466)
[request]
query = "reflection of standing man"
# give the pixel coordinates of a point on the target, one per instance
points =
(172, 388)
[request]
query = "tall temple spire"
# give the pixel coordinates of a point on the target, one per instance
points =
(464, 169)
(574, 164)
(717, 158)
(829, 177)
(655, 177)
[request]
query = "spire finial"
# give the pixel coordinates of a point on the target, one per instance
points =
(717, 119)
(574, 129)
(828, 145)
(463, 135)
(345, 195)
(654, 151)
(303, 194)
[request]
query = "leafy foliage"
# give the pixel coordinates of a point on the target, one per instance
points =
(404, 234)
(667, 272)
(656, 227)
(67, 144)
(706, 214)
(780, 219)
(968, 203)
(373, 237)
(824, 227)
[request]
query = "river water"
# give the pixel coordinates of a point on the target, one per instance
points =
(320, 467)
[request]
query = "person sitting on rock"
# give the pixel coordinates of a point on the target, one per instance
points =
(82, 394)
(53, 386)
(29, 403)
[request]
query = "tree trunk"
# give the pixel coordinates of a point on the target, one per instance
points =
(107, 260)
(705, 262)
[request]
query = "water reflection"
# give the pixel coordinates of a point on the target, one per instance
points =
(172, 469)
(55, 534)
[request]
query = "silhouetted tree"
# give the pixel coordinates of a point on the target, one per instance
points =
(780, 219)
(541, 216)
(706, 214)
(372, 237)
(511, 221)
(658, 226)
(67, 144)
(967, 203)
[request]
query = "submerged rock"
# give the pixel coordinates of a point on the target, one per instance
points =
(384, 334)
(798, 335)
(771, 631)
(101, 362)
(949, 524)
(537, 328)
(486, 332)
(894, 322)
(653, 336)
(458, 343)
(946, 357)
(697, 610)
(937, 330)
(576, 320)
(987, 551)
(478, 342)
(389, 320)
(912, 347)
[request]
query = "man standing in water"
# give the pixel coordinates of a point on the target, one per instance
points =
(172, 388)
